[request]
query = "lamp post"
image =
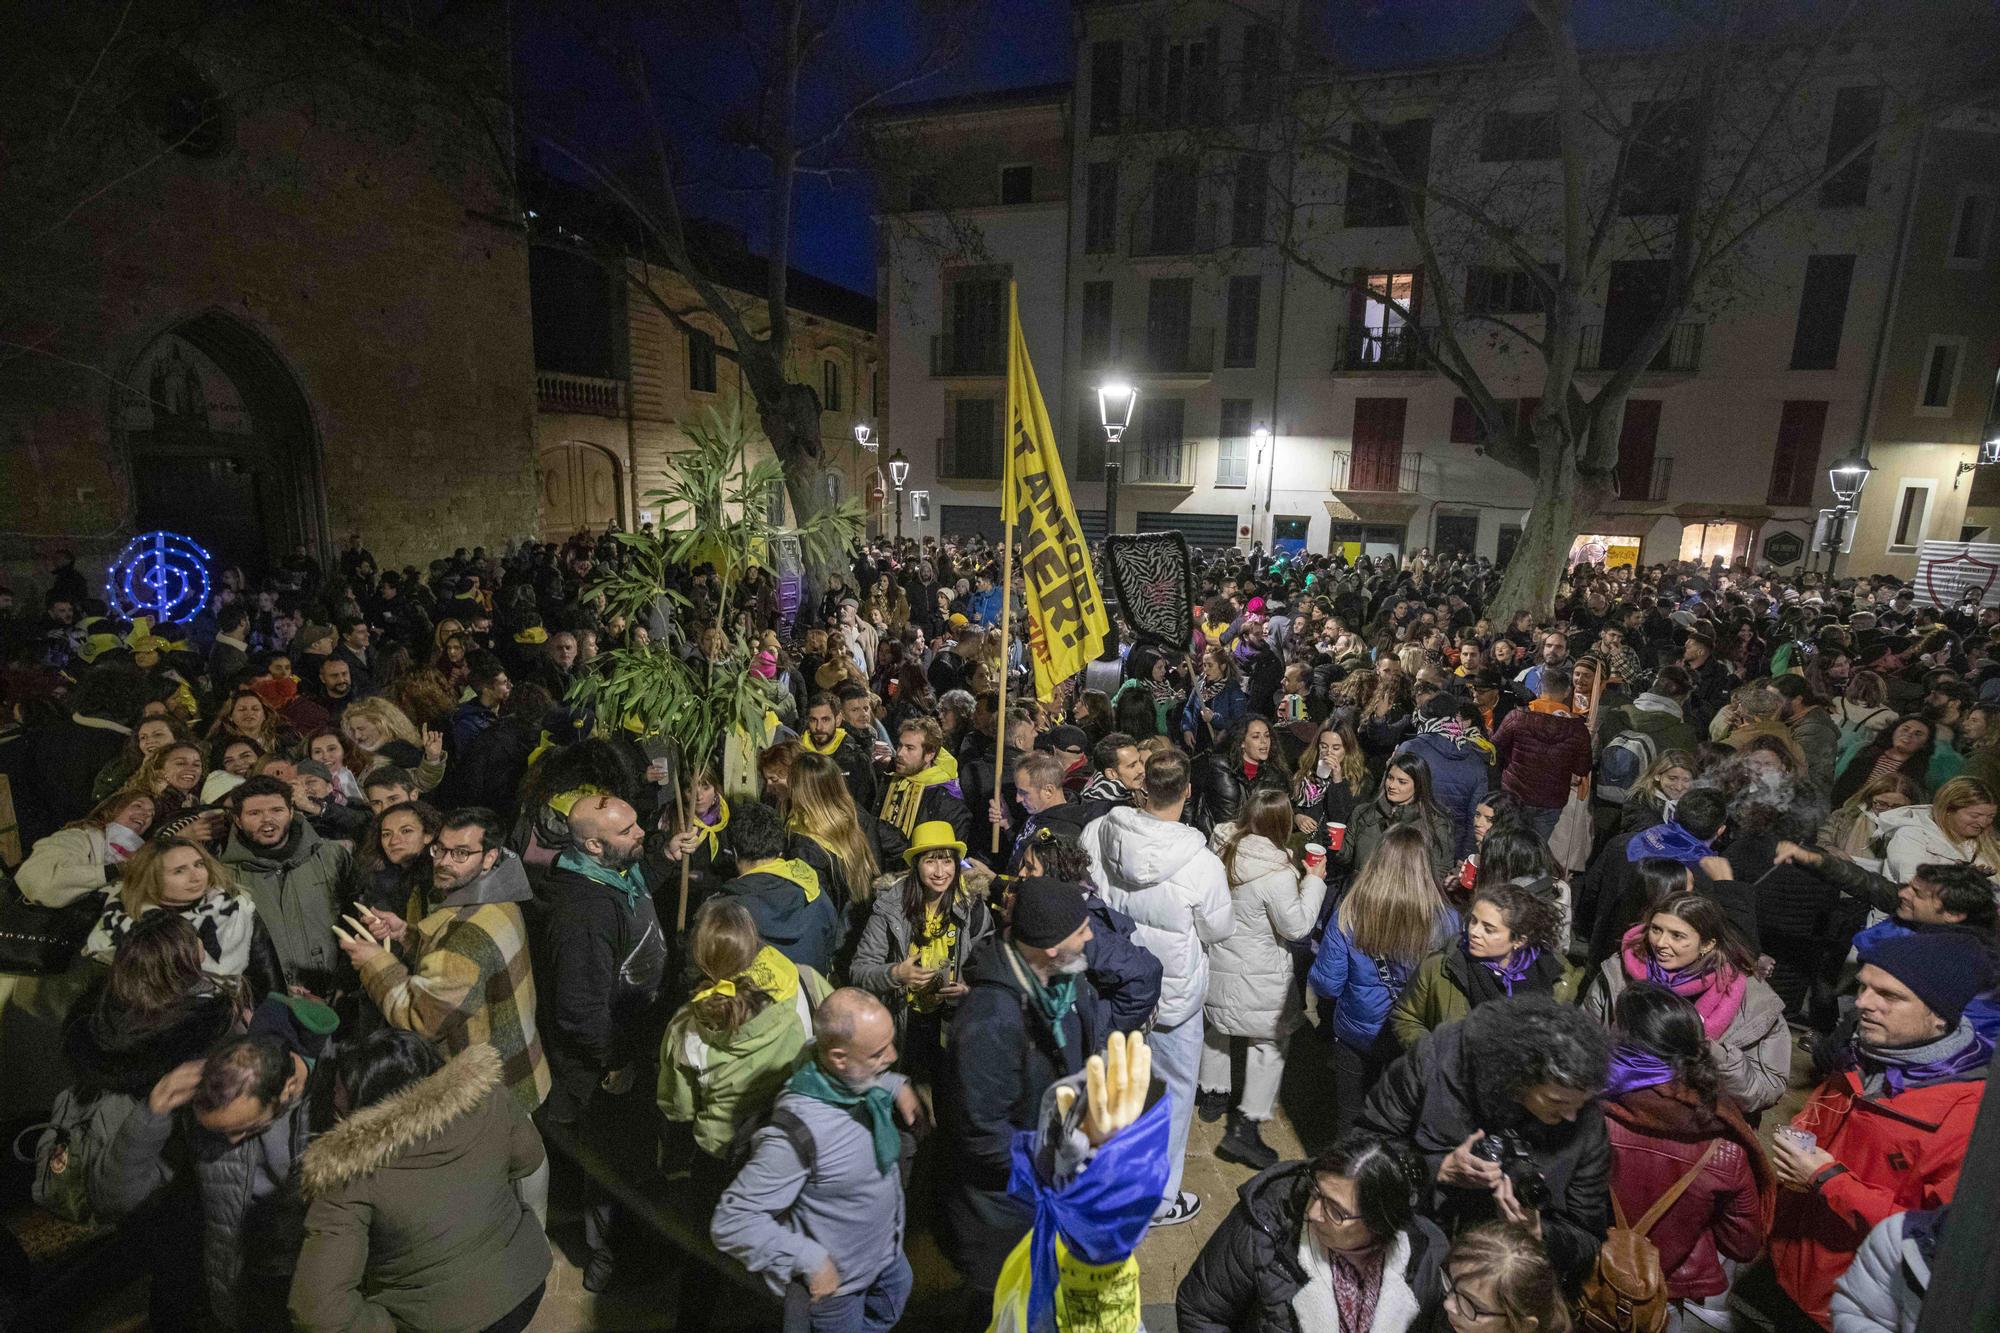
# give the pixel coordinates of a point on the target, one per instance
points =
(1115, 401)
(1262, 434)
(899, 472)
(1848, 476)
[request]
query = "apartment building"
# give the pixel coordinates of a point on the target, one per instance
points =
(1280, 407)
(617, 380)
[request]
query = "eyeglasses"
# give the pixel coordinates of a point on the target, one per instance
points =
(440, 852)
(1328, 1209)
(1457, 1302)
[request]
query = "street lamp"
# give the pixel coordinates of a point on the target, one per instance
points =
(1262, 434)
(899, 472)
(865, 437)
(1848, 476)
(1115, 401)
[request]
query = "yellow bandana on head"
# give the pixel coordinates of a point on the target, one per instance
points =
(770, 972)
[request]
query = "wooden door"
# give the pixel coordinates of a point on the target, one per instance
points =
(579, 490)
(1378, 444)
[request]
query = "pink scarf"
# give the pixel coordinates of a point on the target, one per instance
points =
(1717, 991)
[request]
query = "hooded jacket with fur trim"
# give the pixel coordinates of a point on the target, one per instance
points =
(413, 1219)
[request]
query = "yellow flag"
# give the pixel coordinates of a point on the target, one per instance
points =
(1066, 618)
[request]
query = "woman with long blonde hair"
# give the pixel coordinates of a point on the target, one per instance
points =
(1393, 915)
(381, 733)
(829, 826)
(1955, 828)
(77, 858)
(178, 875)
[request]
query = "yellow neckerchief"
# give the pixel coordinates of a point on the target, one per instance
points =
(933, 947)
(793, 871)
(532, 634)
(906, 795)
(542, 747)
(770, 971)
(712, 832)
(807, 743)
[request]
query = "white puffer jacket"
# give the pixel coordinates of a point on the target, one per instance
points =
(1250, 987)
(1164, 877)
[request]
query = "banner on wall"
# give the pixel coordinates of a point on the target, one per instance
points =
(1951, 572)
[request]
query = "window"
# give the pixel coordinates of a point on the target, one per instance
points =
(1174, 197)
(776, 514)
(1404, 149)
(1971, 224)
(975, 439)
(829, 386)
(1017, 185)
(923, 192)
(1379, 334)
(1857, 112)
(875, 391)
(1160, 439)
(1795, 464)
(1239, 343)
(1181, 82)
(976, 338)
(1169, 312)
(1633, 300)
(1913, 514)
(701, 362)
(1638, 445)
(1096, 324)
(1107, 86)
(1659, 153)
(1377, 460)
(1941, 364)
(1822, 312)
(1100, 209)
(1253, 184)
(1259, 71)
(1519, 136)
(1500, 291)
(1466, 427)
(1233, 442)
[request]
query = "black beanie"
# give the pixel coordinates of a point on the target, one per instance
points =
(1046, 912)
(1946, 969)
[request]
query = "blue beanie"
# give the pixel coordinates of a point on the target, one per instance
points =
(1946, 969)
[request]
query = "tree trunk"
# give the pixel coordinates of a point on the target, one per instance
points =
(1562, 501)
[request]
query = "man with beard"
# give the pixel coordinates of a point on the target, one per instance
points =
(294, 876)
(819, 1205)
(1028, 1020)
(464, 976)
(925, 785)
(601, 962)
(824, 735)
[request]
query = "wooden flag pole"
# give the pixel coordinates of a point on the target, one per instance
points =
(1007, 515)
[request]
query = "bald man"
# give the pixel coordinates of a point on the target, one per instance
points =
(599, 969)
(818, 1208)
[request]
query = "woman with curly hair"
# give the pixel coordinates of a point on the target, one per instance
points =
(1511, 945)
(148, 737)
(381, 733)
(246, 714)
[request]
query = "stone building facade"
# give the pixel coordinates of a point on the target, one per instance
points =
(296, 312)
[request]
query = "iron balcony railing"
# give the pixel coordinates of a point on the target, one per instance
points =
(1400, 348)
(952, 356)
(1681, 355)
(1395, 473)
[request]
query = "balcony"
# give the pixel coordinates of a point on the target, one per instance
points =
(1680, 356)
(1164, 464)
(1658, 478)
(1395, 474)
(957, 463)
(1157, 235)
(1172, 352)
(558, 391)
(1369, 349)
(953, 357)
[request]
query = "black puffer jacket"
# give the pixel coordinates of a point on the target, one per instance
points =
(1219, 789)
(1244, 1279)
(112, 1049)
(1438, 1094)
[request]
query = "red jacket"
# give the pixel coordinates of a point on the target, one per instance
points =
(1657, 1135)
(1539, 755)
(1900, 1152)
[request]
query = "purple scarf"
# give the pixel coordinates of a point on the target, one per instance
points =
(1898, 1076)
(1510, 972)
(1633, 1068)
(1669, 841)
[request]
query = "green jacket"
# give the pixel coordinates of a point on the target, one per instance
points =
(1439, 992)
(725, 1082)
(298, 887)
(414, 1221)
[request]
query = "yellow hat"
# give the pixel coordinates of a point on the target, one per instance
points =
(930, 836)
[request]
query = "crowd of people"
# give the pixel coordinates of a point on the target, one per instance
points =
(1563, 906)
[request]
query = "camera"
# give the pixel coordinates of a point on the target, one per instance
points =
(1511, 1155)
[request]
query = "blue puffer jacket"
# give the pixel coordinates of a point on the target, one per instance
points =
(1361, 989)
(1228, 708)
(1460, 775)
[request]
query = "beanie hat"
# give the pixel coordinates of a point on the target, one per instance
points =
(311, 635)
(313, 768)
(1947, 970)
(1046, 912)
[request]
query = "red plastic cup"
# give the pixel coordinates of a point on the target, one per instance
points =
(1315, 859)
(1336, 836)
(1468, 873)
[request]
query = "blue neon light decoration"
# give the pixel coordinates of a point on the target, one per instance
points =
(161, 575)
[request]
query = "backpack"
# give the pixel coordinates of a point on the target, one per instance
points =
(1624, 760)
(62, 1156)
(1626, 1292)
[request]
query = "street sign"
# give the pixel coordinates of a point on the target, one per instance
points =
(1825, 524)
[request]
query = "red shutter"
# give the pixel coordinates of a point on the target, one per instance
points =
(1378, 443)
(1464, 422)
(1638, 440)
(1795, 461)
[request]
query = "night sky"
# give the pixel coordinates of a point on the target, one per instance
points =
(702, 80)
